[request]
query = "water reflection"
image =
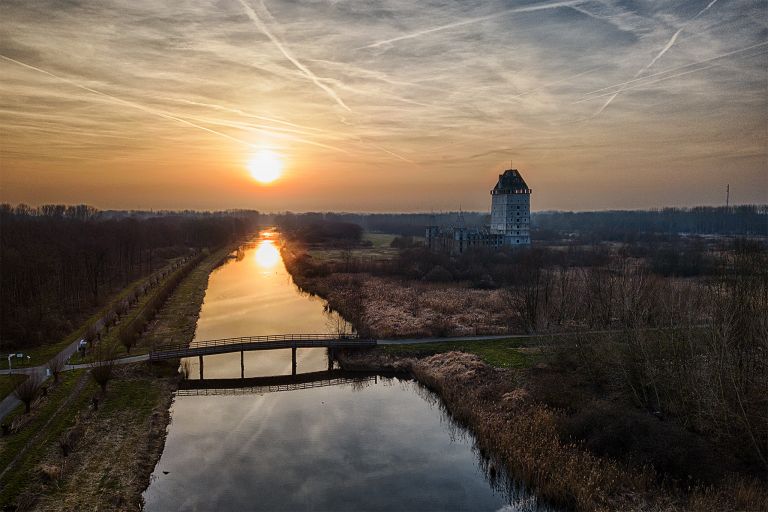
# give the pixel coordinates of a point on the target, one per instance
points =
(332, 442)
(254, 294)
(267, 254)
(378, 446)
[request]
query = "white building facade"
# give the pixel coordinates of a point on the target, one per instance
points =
(511, 209)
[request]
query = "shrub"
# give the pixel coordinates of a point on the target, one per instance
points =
(438, 274)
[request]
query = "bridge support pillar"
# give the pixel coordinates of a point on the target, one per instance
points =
(293, 361)
(201, 367)
(331, 356)
(242, 364)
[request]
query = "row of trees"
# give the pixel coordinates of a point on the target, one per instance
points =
(130, 332)
(60, 263)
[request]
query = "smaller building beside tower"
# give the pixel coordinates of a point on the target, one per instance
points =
(510, 221)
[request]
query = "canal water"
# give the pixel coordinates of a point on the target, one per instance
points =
(330, 443)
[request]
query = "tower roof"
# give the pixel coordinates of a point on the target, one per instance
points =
(510, 181)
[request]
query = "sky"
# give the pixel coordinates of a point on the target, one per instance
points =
(392, 105)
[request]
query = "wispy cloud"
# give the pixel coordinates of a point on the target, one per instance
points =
(155, 112)
(471, 21)
(262, 26)
(659, 55)
(375, 100)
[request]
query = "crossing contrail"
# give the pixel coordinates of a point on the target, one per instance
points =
(288, 55)
(595, 94)
(659, 55)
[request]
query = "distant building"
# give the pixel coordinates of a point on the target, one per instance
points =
(510, 221)
(511, 209)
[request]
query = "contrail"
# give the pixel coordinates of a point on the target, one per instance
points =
(659, 55)
(530, 8)
(242, 113)
(392, 153)
(550, 84)
(668, 70)
(644, 83)
(148, 110)
(301, 67)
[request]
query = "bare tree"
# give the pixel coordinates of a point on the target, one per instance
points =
(28, 390)
(56, 365)
(102, 368)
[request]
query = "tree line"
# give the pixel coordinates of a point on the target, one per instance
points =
(61, 263)
(621, 224)
(595, 225)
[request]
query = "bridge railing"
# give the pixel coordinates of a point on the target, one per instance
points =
(269, 338)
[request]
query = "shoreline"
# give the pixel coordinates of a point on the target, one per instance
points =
(520, 434)
(504, 419)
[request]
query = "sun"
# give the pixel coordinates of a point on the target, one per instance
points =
(266, 166)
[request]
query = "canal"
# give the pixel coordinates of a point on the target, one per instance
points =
(368, 443)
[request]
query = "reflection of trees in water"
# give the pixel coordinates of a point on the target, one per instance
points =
(518, 497)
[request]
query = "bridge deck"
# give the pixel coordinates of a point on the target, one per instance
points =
(273, 384)
(249, 343)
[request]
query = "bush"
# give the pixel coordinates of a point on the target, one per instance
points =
(438, 274)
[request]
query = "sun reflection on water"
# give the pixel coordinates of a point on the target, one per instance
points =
(267, 255)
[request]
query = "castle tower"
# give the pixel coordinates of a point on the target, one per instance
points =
(511, 209)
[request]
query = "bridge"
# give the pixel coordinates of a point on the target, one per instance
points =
(268, 342)
(274, 384)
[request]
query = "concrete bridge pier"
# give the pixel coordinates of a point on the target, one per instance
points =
(293, 361)
(201, 367)
(242, 364)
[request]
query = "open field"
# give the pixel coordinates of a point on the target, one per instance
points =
(51, 416)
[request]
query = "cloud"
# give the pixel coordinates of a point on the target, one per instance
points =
(664, 50)
(392, 104)
(262, 26)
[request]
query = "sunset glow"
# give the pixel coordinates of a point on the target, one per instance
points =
(267, 254)
(266, 166)
(402, 107)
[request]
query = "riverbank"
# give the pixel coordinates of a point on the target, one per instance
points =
(558, 413)
(402, 308)
(101, 454)
(517, 431)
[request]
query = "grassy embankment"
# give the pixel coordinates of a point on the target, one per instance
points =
(501, 353)
(112, 449)
(9, 382)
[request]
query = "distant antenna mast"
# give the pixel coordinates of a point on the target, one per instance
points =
(728, 195)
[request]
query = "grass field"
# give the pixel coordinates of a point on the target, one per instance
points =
(22, 472)
(9, 382)
(502, 353)
(378, 250)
